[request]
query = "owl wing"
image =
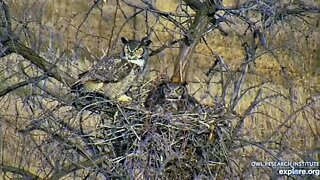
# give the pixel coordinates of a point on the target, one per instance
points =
(111, 69)
(155, 97)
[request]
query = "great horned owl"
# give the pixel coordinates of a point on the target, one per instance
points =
(171, 97)
(114, 75)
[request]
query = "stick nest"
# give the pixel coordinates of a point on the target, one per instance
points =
(143, 144)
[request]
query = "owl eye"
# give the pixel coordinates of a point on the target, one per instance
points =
(126, 50)
(166, 90)
(140, 50)
(180, 91)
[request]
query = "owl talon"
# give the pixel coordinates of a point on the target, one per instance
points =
(124, 98)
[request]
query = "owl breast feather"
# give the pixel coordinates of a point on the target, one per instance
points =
(112, 70)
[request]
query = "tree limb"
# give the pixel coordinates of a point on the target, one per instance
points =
(5, 19)
(47, 67)
(195, 5)
(194, 34)
(21, 84)
(22, 172)
(80, 165)
(9, 44)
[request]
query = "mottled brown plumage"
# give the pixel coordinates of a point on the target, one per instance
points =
(114, 75)
(171, 97)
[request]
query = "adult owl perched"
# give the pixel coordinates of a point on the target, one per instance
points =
(171, 97)
(113, 76)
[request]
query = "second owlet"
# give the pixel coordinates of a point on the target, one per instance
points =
(170, 97)
(113, 76)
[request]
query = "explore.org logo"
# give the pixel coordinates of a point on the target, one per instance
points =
(299, 171)
(292, 168)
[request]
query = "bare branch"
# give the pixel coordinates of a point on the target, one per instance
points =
(34, 58)
(195, 5)
(21, 84)
(94, 161)
(194, 35)
(22, 172)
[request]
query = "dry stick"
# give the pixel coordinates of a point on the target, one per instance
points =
(165, 15)
(5, 29)
(15, 170)
(120, 29)
(80, 165)
(160, 49)
(58, 138)
(35, 125)
(222, 68)
(157, 13)
(112, 29)
(237, 87)
(85, 18)
(248, 111)
(93, 149)
(261, 146)
(21, 84)
(47, 157)
(134, 23)
(49, 68)
(281, 12)
(183, 60)
(77, 131)
(5, 17)
(100, 26)
(34, 58)
(292, 115)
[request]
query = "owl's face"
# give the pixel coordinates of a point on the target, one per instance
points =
(134, 50)
(173, 91)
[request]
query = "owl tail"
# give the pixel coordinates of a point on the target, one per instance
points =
(77, 88)
(87, 86)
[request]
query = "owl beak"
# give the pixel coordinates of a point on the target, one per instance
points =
(131, 56)
(173, 99)
(139, 62)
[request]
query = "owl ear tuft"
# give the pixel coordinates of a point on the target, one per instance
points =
(124, 40)
(145, 41)
(185, 84)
